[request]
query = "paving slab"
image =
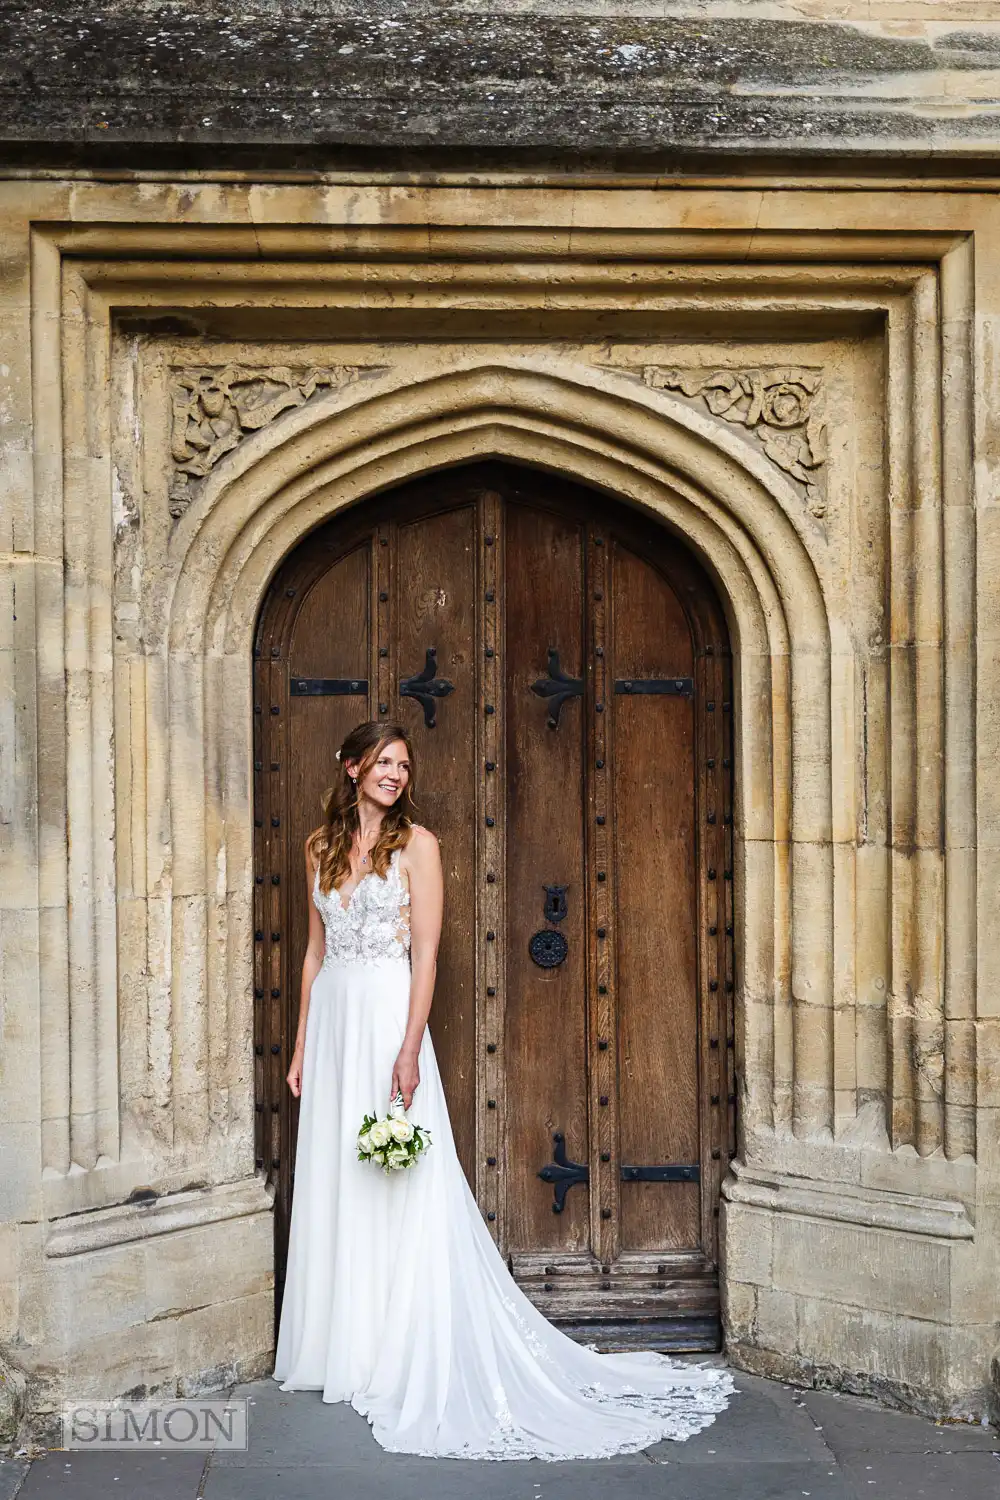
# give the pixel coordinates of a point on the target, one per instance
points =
(852, 1425)
(919, 1476)
(62, 1475)
(608, 1480)
(12, 1472)
(300, 1428)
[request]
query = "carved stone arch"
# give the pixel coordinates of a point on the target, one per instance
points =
(353, 434)
(732, 510)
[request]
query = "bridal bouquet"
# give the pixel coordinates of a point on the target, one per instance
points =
(392, 1141)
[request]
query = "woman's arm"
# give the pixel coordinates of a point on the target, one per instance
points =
(423, 866)
(315, 953)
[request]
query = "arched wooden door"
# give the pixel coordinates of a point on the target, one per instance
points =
(564, 667)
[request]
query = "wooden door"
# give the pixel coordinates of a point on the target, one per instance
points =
(564, 668)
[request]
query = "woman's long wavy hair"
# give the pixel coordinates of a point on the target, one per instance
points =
(331, 844)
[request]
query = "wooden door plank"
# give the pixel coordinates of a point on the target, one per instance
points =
(655, 839)
(433, 603)
(328, 639)
(545, 1031)
(383, 666)
(710, 860)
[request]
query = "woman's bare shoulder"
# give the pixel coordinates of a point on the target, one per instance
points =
(421, 842)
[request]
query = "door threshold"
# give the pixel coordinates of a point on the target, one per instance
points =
(662, 1335)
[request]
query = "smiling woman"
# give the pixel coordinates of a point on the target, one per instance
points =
(397, 1299)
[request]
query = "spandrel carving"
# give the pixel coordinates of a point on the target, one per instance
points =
(214, 409)
(781, 407)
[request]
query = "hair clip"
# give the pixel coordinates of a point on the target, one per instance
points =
(337, 756)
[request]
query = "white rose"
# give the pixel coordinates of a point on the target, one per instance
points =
(402, 1130)
(397, 1157)
(365, 1142)
(380, 1134)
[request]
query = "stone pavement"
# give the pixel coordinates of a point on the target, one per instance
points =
(774, 1443)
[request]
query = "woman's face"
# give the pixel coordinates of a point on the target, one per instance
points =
(388, 777)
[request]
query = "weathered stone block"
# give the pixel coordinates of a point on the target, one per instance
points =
(869, 1268)
(777, 1321)
(739, 1310)
(76, 1300)
(218, 1263)
(920, 1366)
(227, 1342)
(20, 1185)
(13, 1400)
(747, 1241)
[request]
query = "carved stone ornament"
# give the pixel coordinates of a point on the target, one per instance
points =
(214, 409)
(779, 407)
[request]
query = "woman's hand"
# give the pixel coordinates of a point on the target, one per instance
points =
(295, 1072)
(405, 1077)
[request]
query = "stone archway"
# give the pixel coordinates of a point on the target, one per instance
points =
(734, 511)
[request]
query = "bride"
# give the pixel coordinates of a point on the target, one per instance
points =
(396, 1297)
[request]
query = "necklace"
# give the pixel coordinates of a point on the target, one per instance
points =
(362, 852)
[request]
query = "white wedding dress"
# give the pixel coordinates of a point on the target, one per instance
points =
(396, 1297)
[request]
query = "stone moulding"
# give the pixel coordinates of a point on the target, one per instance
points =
(779, 406)
(847, 1204)
(99, 1229)
(240, 512)
(214, 408)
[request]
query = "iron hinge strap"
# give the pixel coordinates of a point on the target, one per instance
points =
(564, 1174)
(673, 687)
(690, 1172)
(324, 687)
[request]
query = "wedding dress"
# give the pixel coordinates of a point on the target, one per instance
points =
(396, 1297)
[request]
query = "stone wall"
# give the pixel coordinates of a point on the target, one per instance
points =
(800, 383)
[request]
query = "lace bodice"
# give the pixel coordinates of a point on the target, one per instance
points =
(375, 923)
